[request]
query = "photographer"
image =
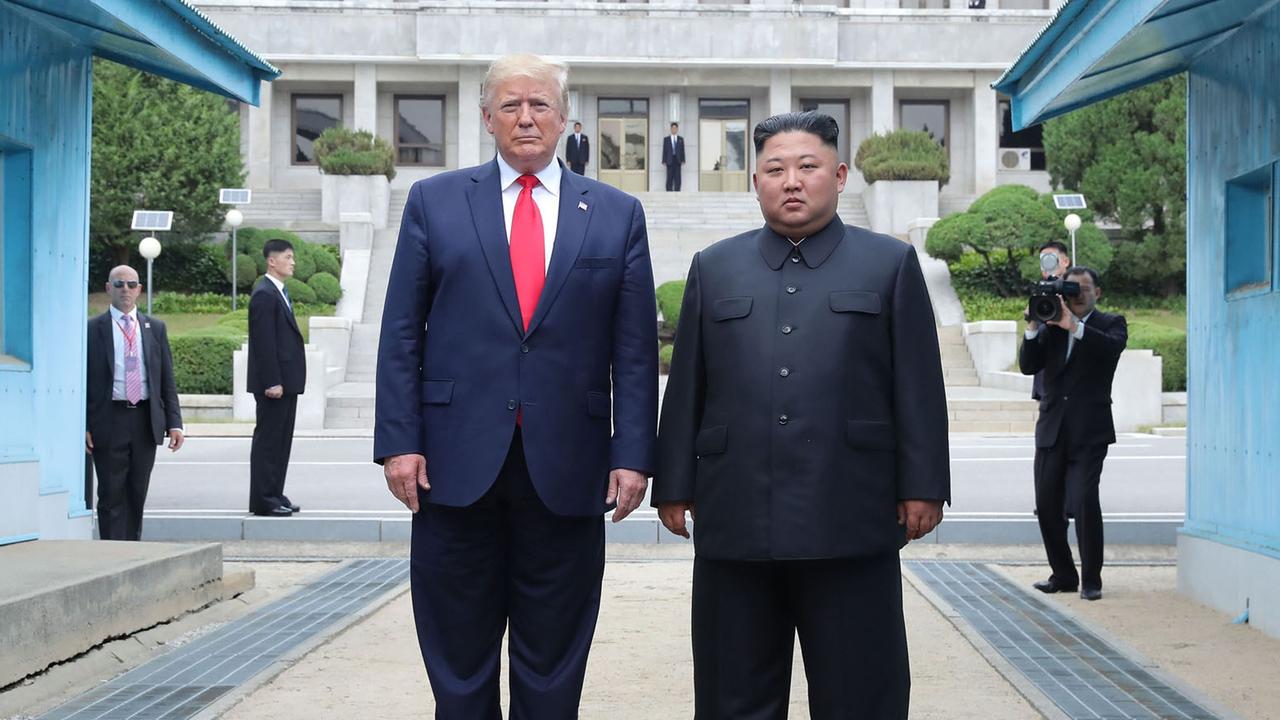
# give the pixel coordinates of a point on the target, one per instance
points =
(1077, 347)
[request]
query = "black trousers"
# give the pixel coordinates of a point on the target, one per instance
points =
(505, 561)
(848, 613)
(673, 177)
(123, 464)
(269, 454)
(1067, 482)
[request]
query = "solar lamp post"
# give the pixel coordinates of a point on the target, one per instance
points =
(149, 248)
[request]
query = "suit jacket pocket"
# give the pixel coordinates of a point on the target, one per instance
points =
(712, 440)
(730, 308)
(870, 435)
(598, 404)
(856, 301)
(596, 262)
(437, 392)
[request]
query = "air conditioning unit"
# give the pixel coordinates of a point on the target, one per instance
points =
(1015, 158)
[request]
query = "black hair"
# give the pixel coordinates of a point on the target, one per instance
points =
(675, 124)
(1082, 270)
(275, 245)
(815, 123)
(1056, 245)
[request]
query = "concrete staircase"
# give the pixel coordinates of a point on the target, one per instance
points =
(971, 408)
(350, 404)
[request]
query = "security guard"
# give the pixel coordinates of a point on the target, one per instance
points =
(805, 422)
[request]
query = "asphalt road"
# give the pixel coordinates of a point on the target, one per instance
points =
(1143, 474)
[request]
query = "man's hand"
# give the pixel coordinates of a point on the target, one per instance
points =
(1066, 320)
(628, 488)
(175, 439)
(88, 442)
(405, 474)
(920, 516)
(275, 392)
(672, 516)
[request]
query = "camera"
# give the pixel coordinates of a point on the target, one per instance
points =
(1044, 306)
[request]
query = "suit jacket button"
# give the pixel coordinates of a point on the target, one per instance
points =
(784, 372)
(524, 348)
(511, 404)
(786, 329)
(783, 419)
(791, 289)
(795, 258)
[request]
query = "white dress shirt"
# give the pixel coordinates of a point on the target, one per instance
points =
(280, 286)
(546, 195)
(1074, 337)
(117, 340)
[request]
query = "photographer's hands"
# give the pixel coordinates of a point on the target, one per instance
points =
(1066, 319)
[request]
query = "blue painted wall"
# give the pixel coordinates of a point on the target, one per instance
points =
(1233, 463)
(45, 101)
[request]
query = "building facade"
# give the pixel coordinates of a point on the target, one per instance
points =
(410, 70)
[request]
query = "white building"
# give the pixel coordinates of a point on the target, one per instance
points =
(411, 69)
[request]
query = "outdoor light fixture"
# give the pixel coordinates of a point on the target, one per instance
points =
(149, 248)
(1072, 223)
(151, 221)
(234, 196)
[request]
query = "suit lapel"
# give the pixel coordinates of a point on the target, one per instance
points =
(108, 345)
(288, 311)
(571, 232)
(150, 349)
(485, 197)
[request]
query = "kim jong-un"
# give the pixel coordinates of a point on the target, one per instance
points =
(805, 423)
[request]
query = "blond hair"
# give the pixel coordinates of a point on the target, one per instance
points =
(528, 66)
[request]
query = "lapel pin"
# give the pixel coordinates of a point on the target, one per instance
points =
(582, 206)
(146, 325)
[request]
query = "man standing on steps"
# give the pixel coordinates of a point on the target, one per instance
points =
(577, 150)
(277, 375)
(805, 422)
(673, 157)
(516, 401)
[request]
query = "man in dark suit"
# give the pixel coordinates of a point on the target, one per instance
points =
(520, 320)
(1061, 257)
(673, 157)
(132, 405)
(277, 375)
(805, 420)
(1078, 353)
(577, 150)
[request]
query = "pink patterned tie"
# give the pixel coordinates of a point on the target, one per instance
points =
(132, 368)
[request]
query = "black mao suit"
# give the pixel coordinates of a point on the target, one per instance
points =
(277, 356)
(1072, 434)
(805, 400)
(125, 437)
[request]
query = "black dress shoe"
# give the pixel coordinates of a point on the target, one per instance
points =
(1091, 593)
(289, 504)
(1053, 585)
(281, 511)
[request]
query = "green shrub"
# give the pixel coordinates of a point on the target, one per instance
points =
(201, 303)
(985, 306)
(664, 358)
(237, 321)
(202, 362)
(250, 240)
(670, 295)
(326, 287)
(327, 260)
(299, 292)
(189, 267)
(1170, 344)
(246, 272)
(304, 261)
(342, 151)
(902, 155)
(970, 275)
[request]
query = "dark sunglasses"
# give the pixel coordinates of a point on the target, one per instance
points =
(121, 283)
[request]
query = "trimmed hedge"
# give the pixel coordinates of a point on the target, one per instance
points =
(202, 363)
(326, 287)
(202, 303)
(902, 155)
(299, 291)
(1170, 344)
(664, 358)
(670, 295)
(343, 151)
(327, 261)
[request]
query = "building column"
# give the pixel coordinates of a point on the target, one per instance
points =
(468, 115)
(779, 91)
(259, 150)
(365, 115)
(881, 101)
(986, 134)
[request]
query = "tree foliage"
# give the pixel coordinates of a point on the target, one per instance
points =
(1128, 155)
(157, 145)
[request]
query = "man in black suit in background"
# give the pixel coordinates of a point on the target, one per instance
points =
(1078, 353)
(577, 150)
(277, 376)
(132, 405)
(673, 157)
(805, 421)
(1062, 261)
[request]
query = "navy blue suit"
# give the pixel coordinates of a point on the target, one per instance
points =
(512, 528)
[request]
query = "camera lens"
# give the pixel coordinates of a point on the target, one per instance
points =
(1045, 308)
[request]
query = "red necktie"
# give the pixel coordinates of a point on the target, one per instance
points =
(528, 261)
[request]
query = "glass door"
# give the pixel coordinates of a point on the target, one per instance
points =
(722, 146)
(624, 143)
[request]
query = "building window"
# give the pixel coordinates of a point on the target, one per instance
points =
(15, 256)
(1028, 139)
(1250, 234)
(838, 109)
(923, 4)
(420, 130)
(312, 115)
(930, 116)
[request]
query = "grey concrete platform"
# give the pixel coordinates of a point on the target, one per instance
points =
(59, 598)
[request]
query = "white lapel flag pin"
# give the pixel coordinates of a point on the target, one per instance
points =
(582, 206)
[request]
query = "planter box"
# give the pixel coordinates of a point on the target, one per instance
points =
(343, 194)
(892, 205)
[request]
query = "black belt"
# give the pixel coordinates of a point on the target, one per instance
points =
(127, 404)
